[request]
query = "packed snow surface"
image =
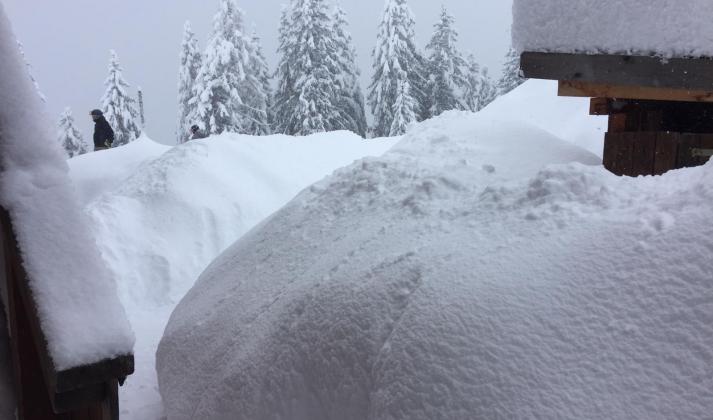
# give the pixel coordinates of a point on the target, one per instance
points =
(663, 27)
(79, 310)
(162, 214)
(482, 268)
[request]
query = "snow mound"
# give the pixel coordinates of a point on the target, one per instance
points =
(662, 27)
(161, 226)
(477, 270)
(77, 304)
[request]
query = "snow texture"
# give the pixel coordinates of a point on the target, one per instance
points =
(176, 209)
(661, 27)
(76, 298)
(482, 268)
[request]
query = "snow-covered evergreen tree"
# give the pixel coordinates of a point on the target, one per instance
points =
(307, 72)
(511, 77)
(140, 96)
(256, 91)
(216, 99)
(471, 93)
(190, 58)
(403, 108)
(447, 79)
(398, 70)
(119, 108)
(30, 72)
(350, 99)
(69, 137)
(488, 89)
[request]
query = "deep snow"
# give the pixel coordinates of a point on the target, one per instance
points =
(162, 214)
(662, 27)
(77, 304)
(482, 268)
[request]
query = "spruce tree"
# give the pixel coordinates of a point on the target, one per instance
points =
(140, 96)
(119, 108)
(488, 90)
(216, 96)
(307, 85)
(69, 137)
(398, 71)
(471, 93)
(256, 91)
(447, 79)
(350, 99)
(190, 59)
(511, 77)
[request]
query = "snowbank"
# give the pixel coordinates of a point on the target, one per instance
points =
(76, 298)
(662, 27)
(477, 270)
(161, 215)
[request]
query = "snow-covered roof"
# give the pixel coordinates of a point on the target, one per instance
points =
(76, 298)
(481, 269)
(662, 27)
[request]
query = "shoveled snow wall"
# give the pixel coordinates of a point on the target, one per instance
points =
(661, 27)
(76, 296)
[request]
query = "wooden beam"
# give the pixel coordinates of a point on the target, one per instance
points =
(603, 90)
(622, 70)
(600, 106)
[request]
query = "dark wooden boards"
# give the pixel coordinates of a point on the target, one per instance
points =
(652, 152)
(621, 70)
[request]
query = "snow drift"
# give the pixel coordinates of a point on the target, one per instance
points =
(662, 27)
(481, 269)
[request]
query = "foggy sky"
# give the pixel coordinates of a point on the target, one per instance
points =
(67, 42)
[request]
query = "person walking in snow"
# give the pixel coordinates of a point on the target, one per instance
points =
(103, 133)
(196, 133)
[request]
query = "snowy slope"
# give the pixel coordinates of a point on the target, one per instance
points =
(662, 27)
(478, 270)
(161, 215)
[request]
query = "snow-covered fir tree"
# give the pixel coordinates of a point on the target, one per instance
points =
(350, 99)
(306, 73)
(217, 104)
(142, 116)
(398, 70)
(488, 90)
(190, 59)
(447, 78)
(30, 72)
(403, 108)
(256, 92)
(511, 77)
(69, 137)
(471, 93)
(119, 108)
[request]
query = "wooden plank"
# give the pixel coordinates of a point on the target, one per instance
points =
(666, 152)
(617, 123)
(618, 149)
(584, 89)
(643, 153)
(706, 143)
(599, 106)
(623, 70)
(686, 143)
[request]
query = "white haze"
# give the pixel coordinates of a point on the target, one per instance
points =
(68, 42)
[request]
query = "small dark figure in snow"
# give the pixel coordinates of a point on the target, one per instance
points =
(103, 133)
(196, 133)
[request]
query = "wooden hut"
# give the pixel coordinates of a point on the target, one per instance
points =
(43, 392)
(660, 110)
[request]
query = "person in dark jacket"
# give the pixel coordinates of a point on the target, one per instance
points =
(196, 133)
(103, 133)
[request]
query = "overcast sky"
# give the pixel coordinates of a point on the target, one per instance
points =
(68, 42)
